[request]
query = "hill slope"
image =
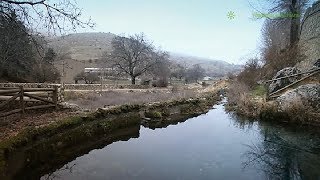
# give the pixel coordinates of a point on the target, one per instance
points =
(214, 68)
(82, 50)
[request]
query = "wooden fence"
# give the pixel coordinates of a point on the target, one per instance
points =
(15, 100)
(304, 76)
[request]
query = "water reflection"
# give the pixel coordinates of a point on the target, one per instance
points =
(54, 175)
(216, 145)
(286, 154)
(50, 155)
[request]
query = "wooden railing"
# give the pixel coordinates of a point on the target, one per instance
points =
(306, 74)
(15, 100)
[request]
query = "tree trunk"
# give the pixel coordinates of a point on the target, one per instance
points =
(295, 23)
(133, 80)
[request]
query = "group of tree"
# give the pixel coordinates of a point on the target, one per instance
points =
(135, 56)
(24, 55)
(22, 60)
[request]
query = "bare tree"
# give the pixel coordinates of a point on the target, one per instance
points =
(133, 56)
(16, 52)
(195, 73)
(276, 50)
(288, 13)
(295, 8)
(281, 34)
(161, 72)
(22, 51)
(178, 71)
(55, 16)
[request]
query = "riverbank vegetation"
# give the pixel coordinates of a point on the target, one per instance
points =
(248, 93)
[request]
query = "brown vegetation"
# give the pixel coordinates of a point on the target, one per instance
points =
(253, 104)
(243, 102)
(94, 100)
(300, 111)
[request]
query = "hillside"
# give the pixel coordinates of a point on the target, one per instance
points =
(81, 50)
(214, 68)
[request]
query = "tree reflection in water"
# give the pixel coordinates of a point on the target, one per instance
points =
(285, 155)
(54, 175)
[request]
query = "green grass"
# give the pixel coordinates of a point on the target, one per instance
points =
(259, 91)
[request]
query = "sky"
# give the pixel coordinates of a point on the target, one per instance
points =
(193, 27)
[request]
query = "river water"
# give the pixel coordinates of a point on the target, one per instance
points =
(215, 145)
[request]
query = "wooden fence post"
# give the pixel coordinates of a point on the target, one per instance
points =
(55, 96)
(22, 106)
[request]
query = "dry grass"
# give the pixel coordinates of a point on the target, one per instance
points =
(93, 100)
(245, 102)
(300, 111)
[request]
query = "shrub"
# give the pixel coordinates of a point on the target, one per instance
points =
(259, 90)
(236, 91)
(89, 78)
(153, 114)
(160, 83)
(251, 73)
(145, 82)
(241, 101)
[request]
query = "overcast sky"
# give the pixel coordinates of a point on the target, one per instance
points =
(194, 27)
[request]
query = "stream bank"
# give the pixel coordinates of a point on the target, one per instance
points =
(62, 140)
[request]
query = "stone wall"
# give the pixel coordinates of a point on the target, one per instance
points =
(90, 87)
(105, 86)
(310, 36)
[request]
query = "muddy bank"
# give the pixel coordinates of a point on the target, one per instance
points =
(58, 143)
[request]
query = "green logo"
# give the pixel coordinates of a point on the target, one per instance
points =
(231, 15)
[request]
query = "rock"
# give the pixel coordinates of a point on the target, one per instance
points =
(308, 92)
(275, 85)
(317, 63)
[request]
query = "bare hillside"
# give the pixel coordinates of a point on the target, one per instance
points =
(82, 50)
(78, 51)
(214, 68)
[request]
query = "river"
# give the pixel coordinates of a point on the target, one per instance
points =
(215, 145)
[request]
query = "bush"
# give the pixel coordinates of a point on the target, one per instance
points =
(250, 74)
(145, 82)
(153, 114)
(241, 101)
(89, 78)
(160, 83)
(259, 90)
(236, 91)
